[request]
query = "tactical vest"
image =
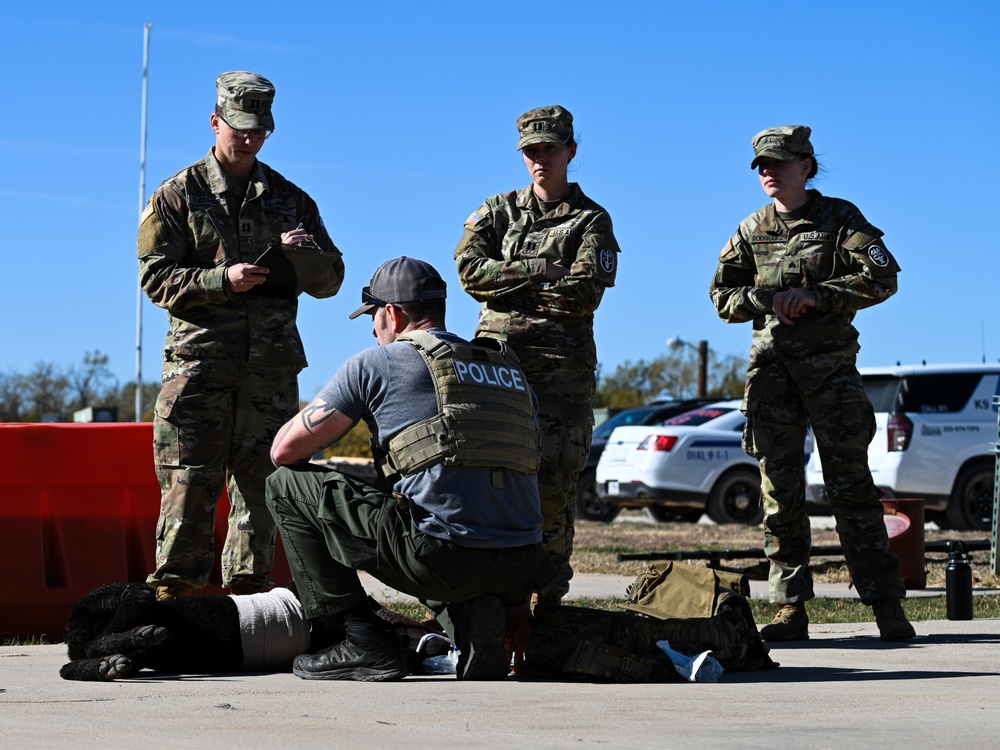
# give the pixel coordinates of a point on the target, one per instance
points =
(486, 414)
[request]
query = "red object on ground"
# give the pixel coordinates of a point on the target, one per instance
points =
(904, 522)
(78, 508)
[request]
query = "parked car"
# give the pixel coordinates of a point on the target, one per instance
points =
(588, 504)
(936, 430)
(693, 462)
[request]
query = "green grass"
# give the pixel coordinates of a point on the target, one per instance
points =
(820, 610)
(24, 642)
(848, 610)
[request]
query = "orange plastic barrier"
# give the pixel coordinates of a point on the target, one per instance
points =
(78, 508)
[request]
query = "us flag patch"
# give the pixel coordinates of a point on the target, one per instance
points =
(147, 212)
(474, 218)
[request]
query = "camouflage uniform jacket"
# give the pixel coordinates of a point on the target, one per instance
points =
(187, 239)
(501, 262)
(834, 252)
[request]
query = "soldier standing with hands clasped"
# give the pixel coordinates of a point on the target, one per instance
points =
(799, 269)
(540, 259)
(233, 352)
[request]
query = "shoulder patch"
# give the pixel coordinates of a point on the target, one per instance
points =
(726, 249)
(607, 259)
(878, 255)
(474, 218)
(146, 212)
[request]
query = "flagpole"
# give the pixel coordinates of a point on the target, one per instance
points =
(142, 205)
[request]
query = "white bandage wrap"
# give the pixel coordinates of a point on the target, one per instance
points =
(274, 630)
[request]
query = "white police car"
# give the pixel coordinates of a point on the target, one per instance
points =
(936, 433)
(694, 460)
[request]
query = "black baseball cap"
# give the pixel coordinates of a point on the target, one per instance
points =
(400, 280)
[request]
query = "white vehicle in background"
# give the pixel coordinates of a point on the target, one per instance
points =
(936, 435)
(693, 461)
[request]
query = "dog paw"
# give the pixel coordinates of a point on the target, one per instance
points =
(115, 666)
(149, 635)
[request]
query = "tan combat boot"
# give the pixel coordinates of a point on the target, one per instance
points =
(546, 600)
(245, 586)
(170, 590)
(892, 622)
(790, 624)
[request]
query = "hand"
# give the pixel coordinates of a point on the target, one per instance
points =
(296, 237)
(518, 633)
(244, 276)
(554, 270)
(793, 303)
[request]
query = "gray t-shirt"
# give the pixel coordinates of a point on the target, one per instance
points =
(390, 388)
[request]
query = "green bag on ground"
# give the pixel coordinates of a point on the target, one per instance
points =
(696, 609)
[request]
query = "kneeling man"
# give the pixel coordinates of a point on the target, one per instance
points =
(455, 521)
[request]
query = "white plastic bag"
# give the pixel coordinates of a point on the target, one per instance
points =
(702, 667)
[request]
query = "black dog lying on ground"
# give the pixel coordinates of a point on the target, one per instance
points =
(119, 629)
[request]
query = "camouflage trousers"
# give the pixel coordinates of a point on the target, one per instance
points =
(212, 430)
(843, 423)
(566, 421)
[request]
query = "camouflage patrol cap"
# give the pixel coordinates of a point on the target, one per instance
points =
(545, 125)
(245, 100)
(782, 143)
(401, 280)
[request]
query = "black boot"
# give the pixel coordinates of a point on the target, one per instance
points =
(479, 632)
(368, 653)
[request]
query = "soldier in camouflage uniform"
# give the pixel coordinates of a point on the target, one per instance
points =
(799, 269)
(233, 352)
(539, 259)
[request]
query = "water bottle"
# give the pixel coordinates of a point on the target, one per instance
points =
(958, 577)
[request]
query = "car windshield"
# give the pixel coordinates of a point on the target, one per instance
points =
(625, 418)
(697, 417)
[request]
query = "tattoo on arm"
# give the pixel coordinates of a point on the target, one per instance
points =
(316, 414)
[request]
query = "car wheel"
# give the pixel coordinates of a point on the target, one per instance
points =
(970, 507)
(589, 504)
(735, 498)
(665, 514)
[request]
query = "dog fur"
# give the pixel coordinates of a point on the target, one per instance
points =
(119, 629)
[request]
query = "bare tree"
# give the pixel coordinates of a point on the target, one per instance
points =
(91, 384)
(674, 375)
(12, 397)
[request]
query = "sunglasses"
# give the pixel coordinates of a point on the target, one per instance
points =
(368, 299)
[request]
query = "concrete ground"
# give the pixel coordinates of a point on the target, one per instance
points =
(844, 688)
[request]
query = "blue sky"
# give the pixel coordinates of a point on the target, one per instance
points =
(398, 118)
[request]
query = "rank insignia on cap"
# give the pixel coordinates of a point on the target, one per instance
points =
(474, 218)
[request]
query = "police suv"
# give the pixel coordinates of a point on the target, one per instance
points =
(936, 433)
(693, 461)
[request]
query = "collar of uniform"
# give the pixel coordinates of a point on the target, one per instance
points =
(771, 217)
(526, 198)
(218, 181)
